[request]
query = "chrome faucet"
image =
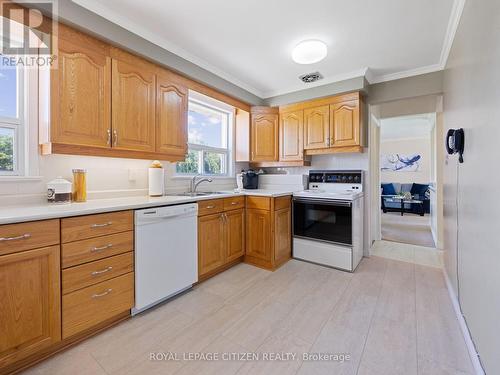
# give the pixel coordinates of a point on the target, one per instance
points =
(194, 184)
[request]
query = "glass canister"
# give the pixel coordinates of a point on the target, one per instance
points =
(79, 185)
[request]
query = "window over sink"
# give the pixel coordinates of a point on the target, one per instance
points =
(11, 119)
(209, 139)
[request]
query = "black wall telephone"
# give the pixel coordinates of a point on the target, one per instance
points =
(455, 140)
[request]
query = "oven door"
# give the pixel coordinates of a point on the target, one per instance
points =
(323, 220)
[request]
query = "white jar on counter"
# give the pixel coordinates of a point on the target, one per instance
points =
(59, 191)
(156, 179)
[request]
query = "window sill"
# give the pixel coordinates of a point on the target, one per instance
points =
(20, 178)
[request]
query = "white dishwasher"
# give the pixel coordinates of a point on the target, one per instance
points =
(166, 253)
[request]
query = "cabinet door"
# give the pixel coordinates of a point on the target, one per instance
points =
(30, 312)
(345, 125)
(258, 224)
(211, 243)
(235, 234)
(283, 235)
(171, 118)
(133, 105)
(291, 136)
(264, 137)
(81, 94)
(316, 127)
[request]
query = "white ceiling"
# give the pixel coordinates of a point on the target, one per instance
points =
(418, 126)
(249, 42)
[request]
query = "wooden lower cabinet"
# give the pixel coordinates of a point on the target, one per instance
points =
(211, 243)
(30, 295)
(269, 231)
(259, 235)
(95, 304)
(235, 234)
(282, 235)
(221, 236)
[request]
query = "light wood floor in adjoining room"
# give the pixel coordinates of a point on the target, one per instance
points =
(391, 317)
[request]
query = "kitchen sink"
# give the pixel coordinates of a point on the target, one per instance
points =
(199, 193)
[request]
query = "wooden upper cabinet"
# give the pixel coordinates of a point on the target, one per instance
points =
(345, 124)
(171, 117)
(30, 311)
(264, 134)
(316, 127)
(81, 92)
(291, 142)
(133, 102)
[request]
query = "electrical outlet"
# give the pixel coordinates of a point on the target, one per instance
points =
(132, 175)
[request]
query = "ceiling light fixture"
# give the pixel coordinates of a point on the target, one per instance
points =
(309, 52)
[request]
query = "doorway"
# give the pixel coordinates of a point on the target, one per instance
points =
(406, 168)
(406, 179)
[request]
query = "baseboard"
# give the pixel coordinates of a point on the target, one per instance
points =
(478, 369)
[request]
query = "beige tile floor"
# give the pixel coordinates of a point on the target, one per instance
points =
(424, 256)
(390, 317)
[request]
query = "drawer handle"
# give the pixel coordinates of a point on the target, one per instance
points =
(101, 225)
(233, 203)
(97, 249)
(21, 237)
(102, 294)
(107, 269)
(209, 207)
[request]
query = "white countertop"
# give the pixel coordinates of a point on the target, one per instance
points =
(41, 211)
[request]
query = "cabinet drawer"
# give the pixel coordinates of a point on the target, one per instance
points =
(234, 203)
(75, 253)
(26, 236)
(79, 277)
(211, 206)
(281, 203)
(82, 227)
(90, 306)
(258, 203)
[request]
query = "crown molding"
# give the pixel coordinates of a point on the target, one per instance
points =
(451, 30)
(135, 28)
(453, 22)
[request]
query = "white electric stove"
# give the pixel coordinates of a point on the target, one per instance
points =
(328, 219)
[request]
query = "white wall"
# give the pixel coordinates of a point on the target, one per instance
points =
(106, 177)
(472, 102)
(407, 146)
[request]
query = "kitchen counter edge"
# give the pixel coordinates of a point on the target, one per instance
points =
(35, 212)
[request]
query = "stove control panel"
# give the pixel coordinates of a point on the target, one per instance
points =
(336, 177)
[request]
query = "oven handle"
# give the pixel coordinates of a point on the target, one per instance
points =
(323, 201)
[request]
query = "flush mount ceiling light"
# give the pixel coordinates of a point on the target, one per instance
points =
(309, 52)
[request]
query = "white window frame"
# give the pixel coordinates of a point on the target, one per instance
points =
(215, 105)
(19, 126)
(26, 158)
